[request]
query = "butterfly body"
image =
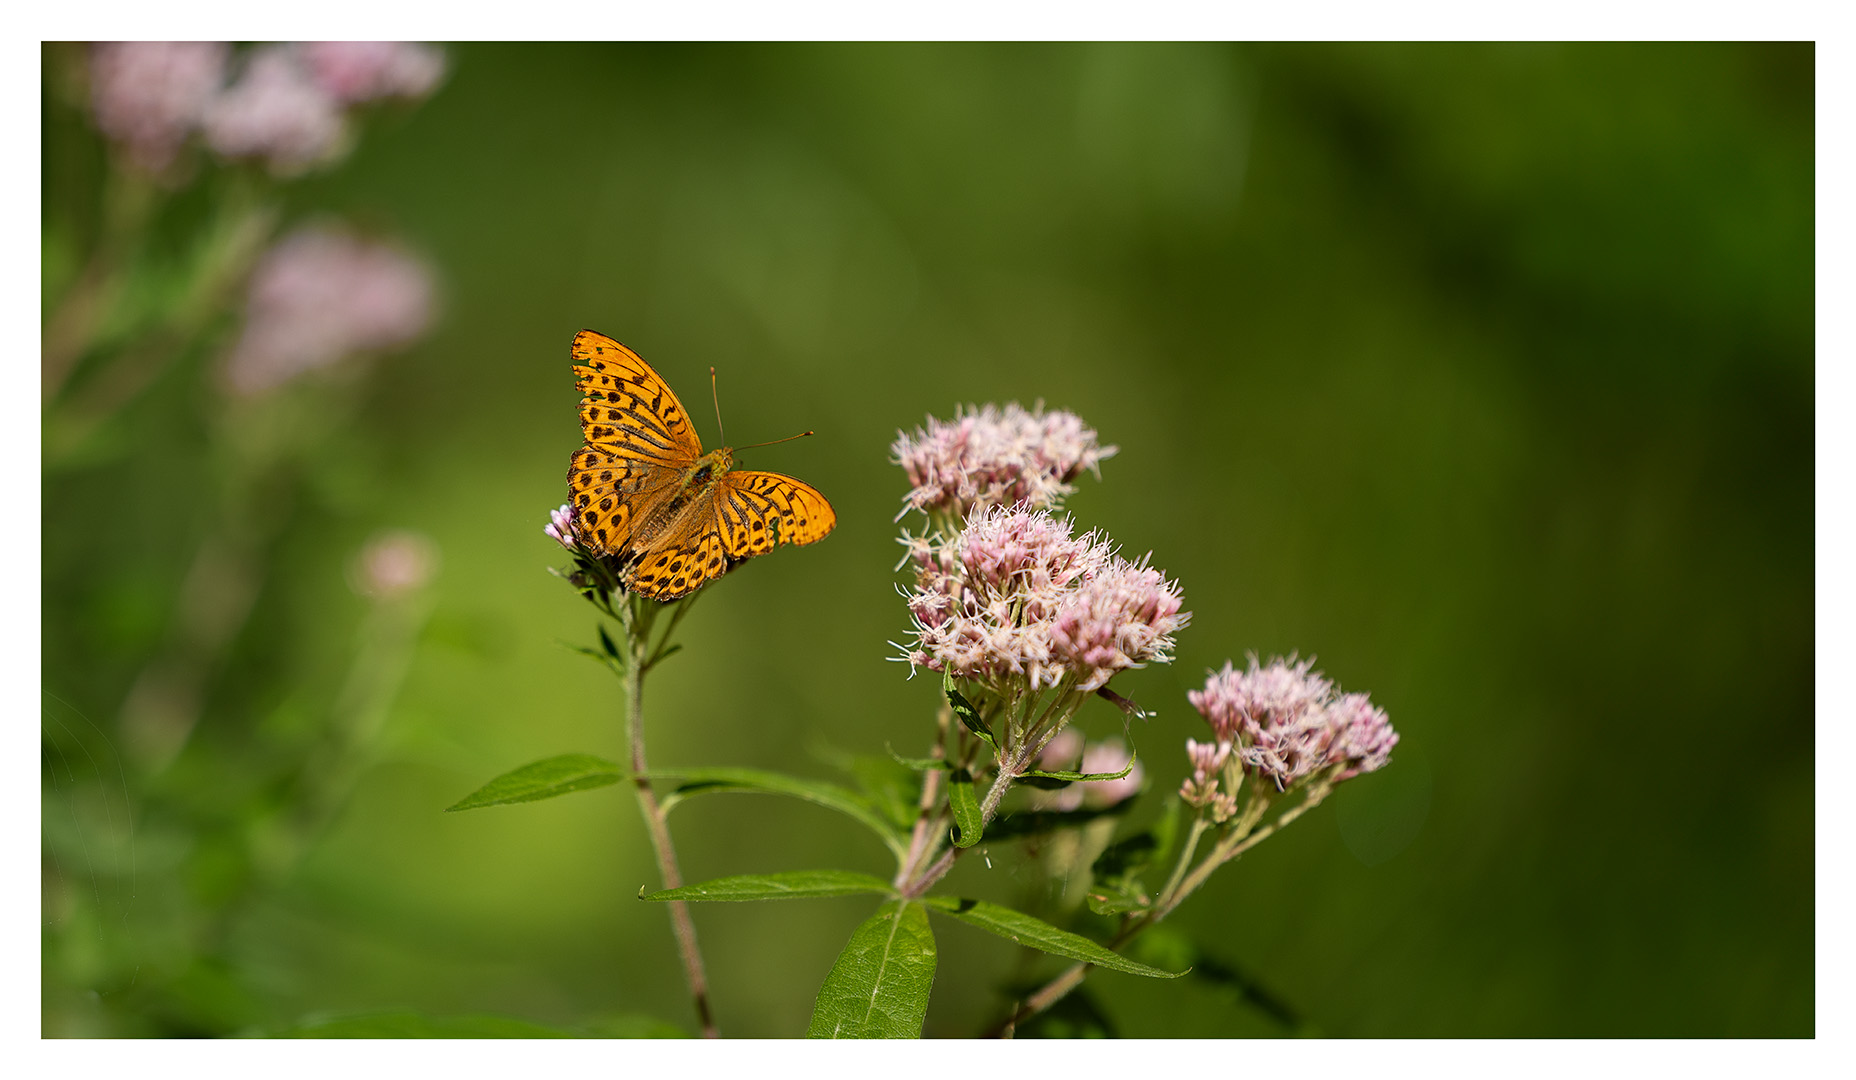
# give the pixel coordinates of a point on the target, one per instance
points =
(645, 494)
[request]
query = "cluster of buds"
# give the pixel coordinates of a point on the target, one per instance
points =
(283, 105)
(1285, 723)
(988, 456)
(321, 294)
(1014, 600)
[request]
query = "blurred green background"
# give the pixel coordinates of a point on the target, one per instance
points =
(1482, 373)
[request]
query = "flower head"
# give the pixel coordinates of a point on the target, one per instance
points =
(393, 564)
(989, 456)
(321, 294)
(561, 527)
(148, 96)
(276, 112)
(1287, 722)
(1015, 596)
(1120, 617)
(356, 71)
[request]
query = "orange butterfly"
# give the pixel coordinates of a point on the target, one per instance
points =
(644, 493)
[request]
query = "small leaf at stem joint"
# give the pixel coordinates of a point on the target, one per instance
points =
(968, 821)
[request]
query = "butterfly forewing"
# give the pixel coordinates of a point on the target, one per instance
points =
(639, 441)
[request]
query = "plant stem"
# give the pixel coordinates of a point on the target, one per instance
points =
(680, 921)
(1239, 840)
(1009, 768)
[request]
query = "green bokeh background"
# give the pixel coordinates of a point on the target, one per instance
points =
(1482, 373)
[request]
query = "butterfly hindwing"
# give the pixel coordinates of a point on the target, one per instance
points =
(760, 510)
(679, 569)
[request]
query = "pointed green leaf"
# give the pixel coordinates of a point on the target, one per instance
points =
(1077, 777)
(1108, 903)
(891, 786)
(786, 885)
(964, 709)
(1016, 926)
(968, 821)
(818, 792)
(920, 764)
(543, 779)
(878, 989)
(605, 641)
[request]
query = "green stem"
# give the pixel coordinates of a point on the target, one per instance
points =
(637, 628)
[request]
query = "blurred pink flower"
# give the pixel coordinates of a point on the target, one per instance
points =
(148, 96)
(319, 295)
(278, 112)
(995, 457)
(394, 564)
(1107, 756)
(356, 71)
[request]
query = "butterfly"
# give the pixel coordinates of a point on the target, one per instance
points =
(644, 493)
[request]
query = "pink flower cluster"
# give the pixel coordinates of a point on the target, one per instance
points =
(319, 295)
(285, 107)
(393, 564)
(560, 527)
(989, 456)
(1108, 756)
(1286, 722)
(149, 96)
(1016, 597)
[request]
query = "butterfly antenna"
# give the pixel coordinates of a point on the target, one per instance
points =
(776, 442)
(721, 435)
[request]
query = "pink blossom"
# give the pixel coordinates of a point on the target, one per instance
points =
(322, 294)
(561, 528)
(1287, 722)
(989, 456)
(356, 71)
(1123, 616)
(394, 564)
(276, 111)
(1281, 693)
(1015, 596)
(1363, 735)
(148, 96)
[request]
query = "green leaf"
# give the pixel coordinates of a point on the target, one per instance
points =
(411, 1025)
(543, 779)
(968, 821)
(920, 764)
(605, 641)
(891, 786)
(1078, 777)
(818, 792)
(785, 885)
(878, 989)
(964, 709)
(1022, 929)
